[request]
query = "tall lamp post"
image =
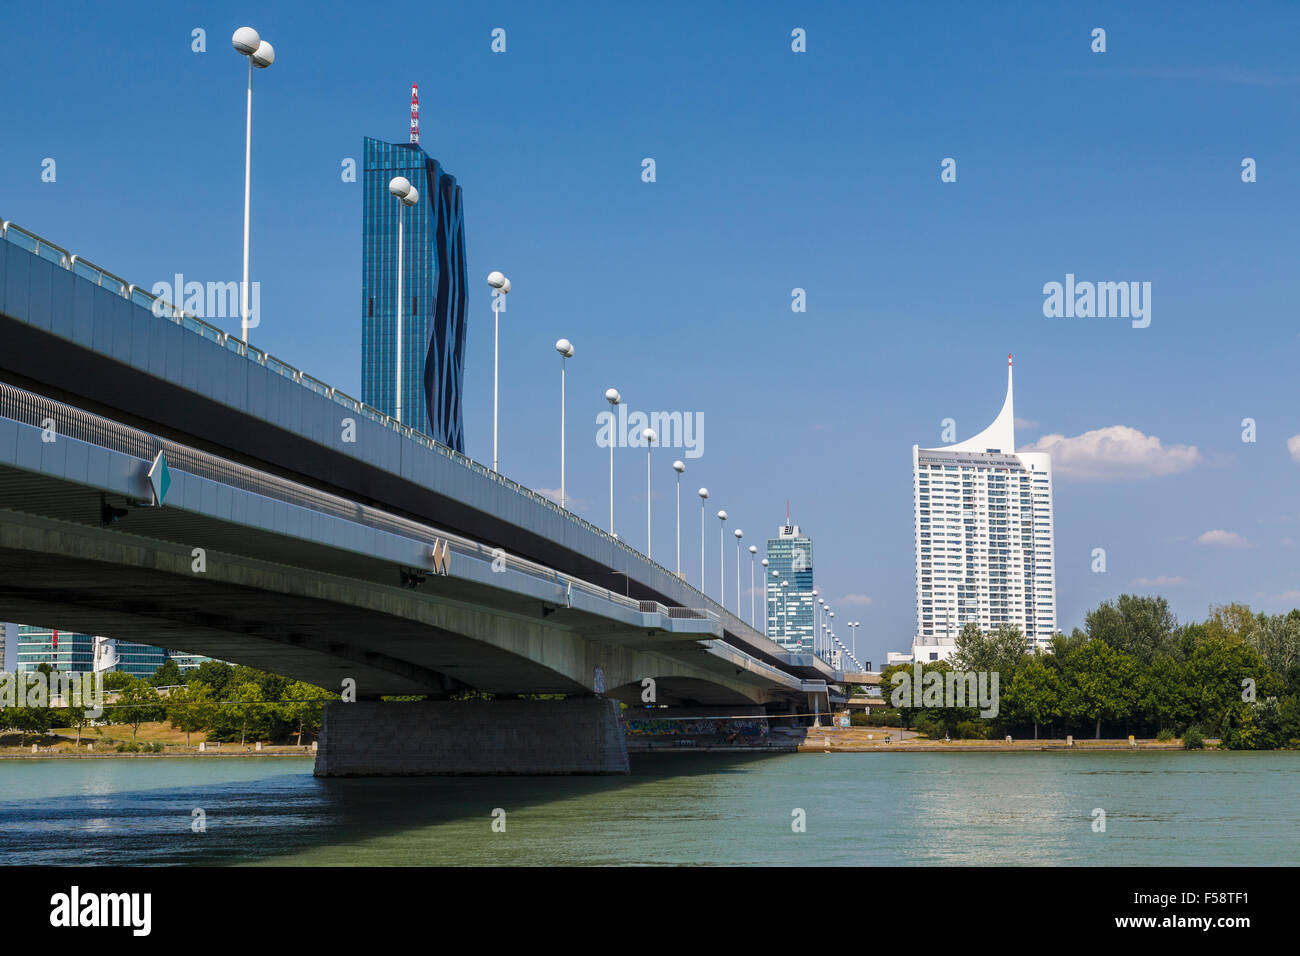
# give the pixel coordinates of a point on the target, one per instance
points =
(853, 638)
(407, 195)
(613, 397)
(739, 534)
(821, 616)
(679, 466)
(704, 496)
(565, 348)
(814, 630)
(765, 598)
(831, 627)
(776, 587)
(753, 550)
(500, 288)
(261, 55)
(649, 436)
(722, 559)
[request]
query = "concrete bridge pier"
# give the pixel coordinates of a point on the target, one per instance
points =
(578, 735)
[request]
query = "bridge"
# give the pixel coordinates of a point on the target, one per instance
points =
(301, 532)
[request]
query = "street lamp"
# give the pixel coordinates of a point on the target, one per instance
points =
(764, 564)
(853, 639)
(704, 496)
(830, 629)
(565, 348)
(722, 559)
(753, 550)
(814, 594)
(679, 466)
(739, 534)
(408, 195)
(648, 434)
(613, 397)
(261, 55)
(500, 286)
(821, 617)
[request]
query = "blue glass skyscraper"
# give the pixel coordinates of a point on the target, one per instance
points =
(433, 287)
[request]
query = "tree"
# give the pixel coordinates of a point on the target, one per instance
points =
(1277, 638)
(1219, 673)
(302, 706)
(77, 718)
(216, 674)
(136, 703)
(191, 708)
(1000, 652)
(1099, 683)
(1162, 694)
(246, 708)
(1034, 693)
(1138, 626)
(117, 680)
(168, 674)
(1232, 623)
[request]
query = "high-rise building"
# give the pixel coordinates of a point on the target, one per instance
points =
(61, 650)
(984, 538)
(790, 618)
(434, 291)
(83, 653)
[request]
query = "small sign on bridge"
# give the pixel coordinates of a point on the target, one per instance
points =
(160, 478)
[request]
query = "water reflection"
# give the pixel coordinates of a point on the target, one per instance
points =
(889, 809)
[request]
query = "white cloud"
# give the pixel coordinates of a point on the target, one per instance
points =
(1025, 423)
(570, 502)
(1114, 452)
(853, 600)
(1227, 539)
(1293, 446)
(1160, 581)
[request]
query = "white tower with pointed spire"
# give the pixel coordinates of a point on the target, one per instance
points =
(985, 548)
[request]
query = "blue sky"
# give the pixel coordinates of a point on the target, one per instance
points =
(775, 170)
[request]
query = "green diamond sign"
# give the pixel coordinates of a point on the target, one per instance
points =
(160, 478)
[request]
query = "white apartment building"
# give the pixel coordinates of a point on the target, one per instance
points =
(984, 538)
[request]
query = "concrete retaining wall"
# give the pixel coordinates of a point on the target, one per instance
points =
(573, 736)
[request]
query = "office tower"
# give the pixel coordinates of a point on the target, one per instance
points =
(62, 650)
(434, 290)
(984, 540)
(790, 617)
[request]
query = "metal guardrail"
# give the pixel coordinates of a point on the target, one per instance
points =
(166, 310)
(70, 422)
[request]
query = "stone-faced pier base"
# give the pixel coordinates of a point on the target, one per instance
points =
(378, 739)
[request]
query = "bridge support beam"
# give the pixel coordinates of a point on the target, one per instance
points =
(424, 738)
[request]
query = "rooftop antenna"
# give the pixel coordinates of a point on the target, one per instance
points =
(415, 113)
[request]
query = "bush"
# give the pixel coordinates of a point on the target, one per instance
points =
(972, 730)
(883, 718)
(1165, 735)
(1193, 739)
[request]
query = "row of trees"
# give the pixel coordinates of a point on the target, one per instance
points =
(229, 703)
(1133, 669)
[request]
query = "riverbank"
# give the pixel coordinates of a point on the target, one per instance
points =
(885, 739)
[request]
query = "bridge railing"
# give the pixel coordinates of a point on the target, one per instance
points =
(71, 422)
(164, 309)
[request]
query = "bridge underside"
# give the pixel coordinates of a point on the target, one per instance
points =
(297, 615)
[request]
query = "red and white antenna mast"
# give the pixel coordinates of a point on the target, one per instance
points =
(415, 113)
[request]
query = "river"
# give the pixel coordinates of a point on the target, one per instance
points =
(1165, 808)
